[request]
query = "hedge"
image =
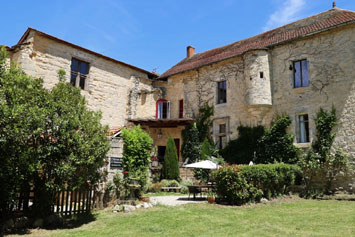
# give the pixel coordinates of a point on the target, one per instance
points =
(238, 184)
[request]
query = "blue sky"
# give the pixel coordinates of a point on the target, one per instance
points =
(153, 34)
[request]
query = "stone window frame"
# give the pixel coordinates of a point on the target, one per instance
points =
(77, 82)
(297, 129)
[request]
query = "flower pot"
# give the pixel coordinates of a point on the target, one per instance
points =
(211, 199)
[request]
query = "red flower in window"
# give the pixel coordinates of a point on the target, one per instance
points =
(125, 172)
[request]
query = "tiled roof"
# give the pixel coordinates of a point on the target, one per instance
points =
(304, 27)
(113, 130)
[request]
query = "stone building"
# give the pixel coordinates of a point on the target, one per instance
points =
(108, 85)
(294, 69)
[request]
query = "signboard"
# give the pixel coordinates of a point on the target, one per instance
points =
(115, 162)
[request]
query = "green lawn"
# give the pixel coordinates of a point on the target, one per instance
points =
(288, 217)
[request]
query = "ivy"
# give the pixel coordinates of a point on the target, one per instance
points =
(320, 164)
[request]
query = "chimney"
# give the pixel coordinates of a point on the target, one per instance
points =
(190, 51)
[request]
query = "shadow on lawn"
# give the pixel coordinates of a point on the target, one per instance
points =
(61, 223)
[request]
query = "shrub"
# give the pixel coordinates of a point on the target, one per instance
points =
(155, 188)
(276, 145)
(171, 164)
(202, 174)
(183, 185)
(136, 155)
(186, 182)
(169, 183)
(165, 183)
(272, 179)
(239, 184)
(242, 150)
(184, 189)
(320, 165)
(232, 186)
(174, 183)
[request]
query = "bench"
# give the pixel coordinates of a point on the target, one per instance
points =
(171, 189)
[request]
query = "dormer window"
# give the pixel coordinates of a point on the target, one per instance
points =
(163, 109)
(79, 72)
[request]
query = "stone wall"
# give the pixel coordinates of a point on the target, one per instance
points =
(110, 84)
(116, 150)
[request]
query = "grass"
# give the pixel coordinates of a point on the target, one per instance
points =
(287, 217)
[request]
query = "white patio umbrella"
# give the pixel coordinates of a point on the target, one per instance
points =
(205, 164)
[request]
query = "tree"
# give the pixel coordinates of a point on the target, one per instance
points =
(206, 150)
(194, 135)
(171, 163)
(22, 116)
(137, 145)
(190, 149)
(48, 139)
(276, 145)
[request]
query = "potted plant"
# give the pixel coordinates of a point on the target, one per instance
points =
(211, 198)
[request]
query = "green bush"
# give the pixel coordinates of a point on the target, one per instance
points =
(272, 179)
(242, 150)
(171, 164)
(239, 184)
(276, 145)
(165, 182)
(174, 183)
(136, 156)
(184, 189)
(155, 188)
(233, 187)
(169, 183)
(321, 164)
(186, 182)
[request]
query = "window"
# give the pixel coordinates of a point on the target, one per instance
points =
(300, 73)
(222, 92)
(261, 74)
(79, 72)
(163, 109)
(222, 138)
(222, 128)
(303, 129)
(181, 108)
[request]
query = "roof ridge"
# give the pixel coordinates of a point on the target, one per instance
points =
(24, 36)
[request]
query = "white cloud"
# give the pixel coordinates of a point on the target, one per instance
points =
(288, 12)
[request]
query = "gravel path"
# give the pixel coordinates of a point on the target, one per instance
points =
(176, 200)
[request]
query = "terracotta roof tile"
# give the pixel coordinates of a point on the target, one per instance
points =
(310, 25)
